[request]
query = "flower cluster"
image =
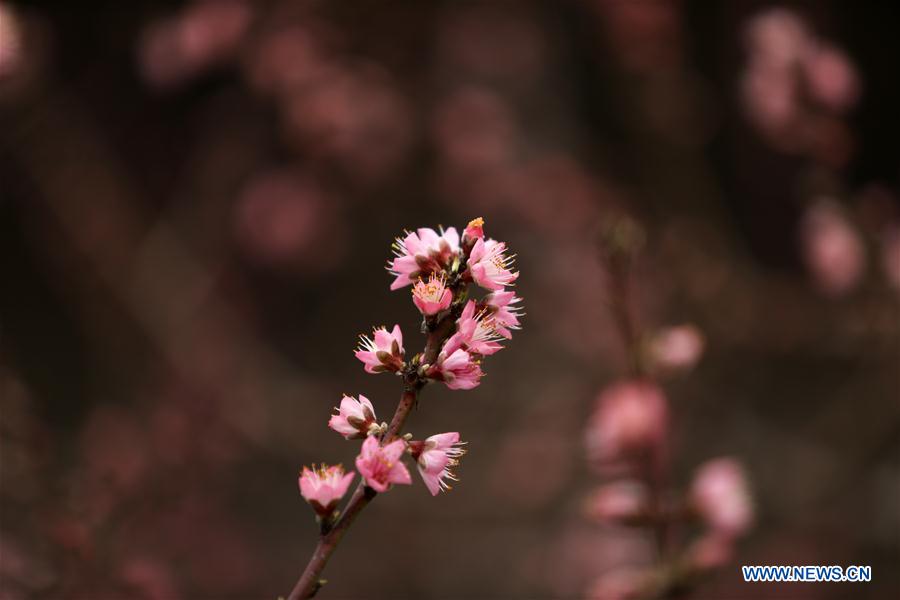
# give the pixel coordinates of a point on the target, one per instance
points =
(627, 439)
(440, 266)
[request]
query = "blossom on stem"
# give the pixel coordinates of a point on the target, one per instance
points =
(624, 583)
(623, 501)
(473, 231)
(324, 486)
(677, 348)
(456, 368)
(476, 333)
(355, 418)
(432, 297)
(421, 253)
(381, 466)
(710, 551)
(435, 457)
(832, 248)
(384, 352)
(720, 495)
(631, 419)
(489, 265)
(502, 309)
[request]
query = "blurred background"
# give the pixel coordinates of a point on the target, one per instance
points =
(197, 201)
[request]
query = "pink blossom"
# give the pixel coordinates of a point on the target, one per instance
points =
(778, 36)
(456, 368)
(11, 41)
(489, 265)
(435, 457)
(473, 231)
(833, 249)
(201, 36)
(432, 297)
(501, 306)
(631, 418)
(677, 348)
(710, 551)
(720, 495)
(384, 352)
(421, 253)
(832, 78)
(323, 487)
(624, 583)
(475, 333)
(620, 501)
(355, 418)
(381, 465)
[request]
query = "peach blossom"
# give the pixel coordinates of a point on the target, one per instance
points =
(355, 418)
(381, 466)
(383, 352)
(324, 486)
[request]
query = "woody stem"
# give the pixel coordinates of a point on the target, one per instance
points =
(310, 582)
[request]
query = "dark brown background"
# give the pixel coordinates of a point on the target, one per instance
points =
(187, 260)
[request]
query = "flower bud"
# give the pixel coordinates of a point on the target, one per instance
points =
(631, 419)
(720, 496)
(384, 352)
(355, 418)
(323, 487)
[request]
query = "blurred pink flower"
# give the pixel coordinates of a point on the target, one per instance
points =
(354, 115)
(355, 418)
(476, 333)
(149, 579)
(11, 42)
(832, 79)
(435, 457)
(489, 265)
(323, 487)
(458, 370)
(778, 36)
(770, 96)
(677, 348)
(432, 297)
(721, 497)
(625, 583)
(832, 248)
(286, 218)
(631, 417)
(384, 353)
(289, 58)
(420, 253)
(205, 33)
(501, 308)
(796, 86)
(620, 501)
(711, 551)
(381, 466)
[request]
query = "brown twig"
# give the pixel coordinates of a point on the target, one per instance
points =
(618, 257)
(310, 582)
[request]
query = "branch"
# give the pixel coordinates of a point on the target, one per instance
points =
(310, 582)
